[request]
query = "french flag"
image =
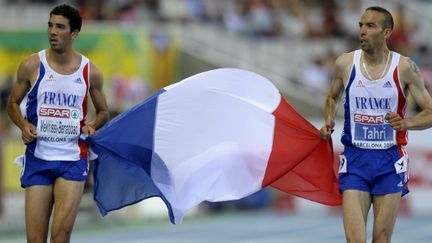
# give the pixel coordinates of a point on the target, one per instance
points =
(219, 135)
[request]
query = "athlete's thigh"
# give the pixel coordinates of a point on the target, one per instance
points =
(67, 198)
(355, 206)
(385, 211)
(38, 207)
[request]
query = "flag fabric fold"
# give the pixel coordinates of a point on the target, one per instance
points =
(219, 135)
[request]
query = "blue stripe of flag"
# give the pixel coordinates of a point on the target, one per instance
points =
(128, 160)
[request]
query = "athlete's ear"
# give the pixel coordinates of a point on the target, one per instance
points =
(387, 33)
(74, 34)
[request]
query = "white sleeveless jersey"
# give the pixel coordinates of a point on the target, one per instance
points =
(366, 104)
(57, 106)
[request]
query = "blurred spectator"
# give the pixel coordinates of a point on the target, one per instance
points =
(234, 16)
(423, 58)
(173, 10)
(331, 22)
(262, 19)
(92, 10)
(32, 1)
(196, 10)
(324, 19)
(316, 76)
(5, 89)
(127, 12)
(351, 9)
(294, 19)
(400, 39)
(126, 92)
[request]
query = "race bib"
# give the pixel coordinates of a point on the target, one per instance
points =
(58, 124)
(372, 132)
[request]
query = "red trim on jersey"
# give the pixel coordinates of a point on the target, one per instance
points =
(401, 150)
(401, 136)
(83, 146)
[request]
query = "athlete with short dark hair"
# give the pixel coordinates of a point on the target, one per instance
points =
(55, 84)
(374, 167)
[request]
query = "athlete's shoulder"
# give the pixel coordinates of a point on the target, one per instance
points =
(28, 68)
(30, 63)
(405, 63)
(408, 70)
(96, 76)
(344, 61)
(80, 55)
(345, 58)
(94, 70)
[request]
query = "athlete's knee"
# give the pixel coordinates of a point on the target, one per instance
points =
(355, 238)
(355, 232)
(61, 235)
(36, 239)
(382, 236)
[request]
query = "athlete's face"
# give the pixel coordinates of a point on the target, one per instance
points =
(372, 33)
(59, 33)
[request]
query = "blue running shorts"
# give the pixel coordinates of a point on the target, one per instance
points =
(41, 172)
(378, 172)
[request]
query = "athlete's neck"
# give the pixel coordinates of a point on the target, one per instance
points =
(376, 57)
(61, 58)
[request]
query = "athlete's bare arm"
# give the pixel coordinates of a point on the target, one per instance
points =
(26, 76)
(342, 64)
(411, 76)
(99, 102)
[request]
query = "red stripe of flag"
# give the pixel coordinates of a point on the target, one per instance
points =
(300, 162)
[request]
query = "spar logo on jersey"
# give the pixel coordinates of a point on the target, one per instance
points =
(55, 112)
(75, 114)
(368, 119)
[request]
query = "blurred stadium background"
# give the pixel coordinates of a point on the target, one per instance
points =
(143, 45)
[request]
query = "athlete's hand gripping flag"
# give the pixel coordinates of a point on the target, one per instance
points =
(219, 135)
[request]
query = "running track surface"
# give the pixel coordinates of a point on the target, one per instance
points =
(251, 227)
